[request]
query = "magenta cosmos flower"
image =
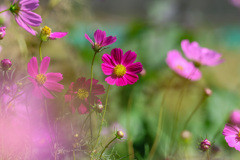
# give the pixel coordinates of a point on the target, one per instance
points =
(44, 82)
(46, 33)
(22, 10)
(182, 67)
(101, 40)
(120, 67)
(199, 55)
(2, 32)
(78, 95)
(232, 136)
(235, 117)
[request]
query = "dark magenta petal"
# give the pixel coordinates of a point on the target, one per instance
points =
(107, 69)
(129, 57)
(111, 79)
(89, 39)
(106, 58)
(99, 36)
(108, 40)
(135, 67)
(117, 55)
(121, 81)
(131, 78)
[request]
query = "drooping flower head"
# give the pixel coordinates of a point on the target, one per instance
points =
(232, 136)
(46, 33)
(43, 82)
(79, 96)
(101, 40)
(5, 16)
(2, 32)
(199, 55)
(235, 117)
(182, 67)
(22, 10)
(121, 67)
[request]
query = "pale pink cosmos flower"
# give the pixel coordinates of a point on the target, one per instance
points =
(200, 55)
(101, 40)
(43, 82)
(2, 32)
(121, 67)
(182, 67)
(235, 117)
(22, 10)
(235, 3)
(46, 33)
(232, 136)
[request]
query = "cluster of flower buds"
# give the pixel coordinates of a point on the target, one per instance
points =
(205, 145)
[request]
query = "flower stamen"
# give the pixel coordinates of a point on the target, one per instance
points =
(46, 31)
(82, 94)
(179, 67)
(41, 79)
(120, 70)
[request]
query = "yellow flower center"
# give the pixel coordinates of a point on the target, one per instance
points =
(179, 67)
(41, 79)
(82, 94)
(46, 31)
(119, 70)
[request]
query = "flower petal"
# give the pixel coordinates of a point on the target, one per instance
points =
(82, 109)
(121, 81)
(129, 57)
(99, 36)
(29, 5)
(131, 78)
(107, 69)
(117, 55)
(24, 25)
(135, 68)
(44, 65)
(30, 18)
(46, 93)
(55, 35)
(106, 58)
(89, 39)
(108, 40)
(55, 77)
(33, 67)
(111, 79)
(53, 86)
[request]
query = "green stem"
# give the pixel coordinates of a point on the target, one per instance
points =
(74, 158)
(105, 108)
(130, 143)
(106, 147)
(208, 156)
(90, 113)
(160, 119)
(4, 10)
(195, 109)
(40, 50)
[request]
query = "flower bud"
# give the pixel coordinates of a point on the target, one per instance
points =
(205, 145)
(2, 32)
(99, 108)
(119, 134)
(6, 64)
(235, 117)
(186, 135)
(45, 33)
(143, 72)
(208, 91)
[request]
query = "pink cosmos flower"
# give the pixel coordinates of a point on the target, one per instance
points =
(199, 55)
(101, 40)
(46, 33)
(232, 136)
(235, 3)
(235, 117)
(78, 94)
(2, 32)
(44, 82)
(120, 67)
(22, 10)
(182, 67)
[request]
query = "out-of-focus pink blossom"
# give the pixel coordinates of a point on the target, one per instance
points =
(5, 16)
(22, 10)
(101, 40)
(43, 82)
(235, 117)
(235, 3)
(182, 67)
(200, 55)
(121, 67)
(2, 32)
(232, 136)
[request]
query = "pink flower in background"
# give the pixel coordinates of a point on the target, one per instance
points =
(44, 82)
(235, 3)
(121, 67)
(235, 117)
(101, 40)
(232, 136)
(182, 67)
(46, 33)
(5, 16)
(78, 94)
(2, 32)
(22, 10)
(199, 55)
